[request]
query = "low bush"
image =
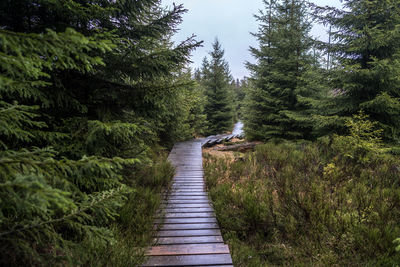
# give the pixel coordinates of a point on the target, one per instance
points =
(304, 204)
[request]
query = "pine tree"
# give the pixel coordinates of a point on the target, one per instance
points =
(216, 79)
(367, 48)
(272, 106)
(86, 88)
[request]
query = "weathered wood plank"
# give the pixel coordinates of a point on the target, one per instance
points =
(186, 220)
(187, 193)
(183, 201)
(186, 190)
(195, 205)
(188, 197)
(188, 240)
(188, 249)
(189, 215)
(183, 186)
(177, 206)
(187, 226)
(186, 210)
(175, 233)
(188, 184)
(187, 173)
(188, 178)
(180, 180)
(189, 260)
(198, 179)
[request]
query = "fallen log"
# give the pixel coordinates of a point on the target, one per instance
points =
(239, 147)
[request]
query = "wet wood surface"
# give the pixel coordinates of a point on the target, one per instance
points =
(187, 230)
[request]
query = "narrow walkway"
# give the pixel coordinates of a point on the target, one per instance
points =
(189, 234)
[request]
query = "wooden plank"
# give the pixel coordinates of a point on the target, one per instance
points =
(195, 205)
(187, 187)
(189, 260)
(188, 249)
(199, 179)
(186, 220)
(188, 197)
(189, 215)
(183, 212)
(189, 178)
(189, 170)
(175, 233)
(188, 240)
(187, 226)
(187, 190)
(186, 210)
(183, 201)
(188, 183)
(188, 173)
(187, 193)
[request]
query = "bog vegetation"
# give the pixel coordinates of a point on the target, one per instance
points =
(334, 202)
(94, 93)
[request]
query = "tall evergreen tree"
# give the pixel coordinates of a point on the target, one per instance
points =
(272, 106)
(367, 47)
(216, 79)
(85, 88)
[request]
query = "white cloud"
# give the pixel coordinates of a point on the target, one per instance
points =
(231, 21)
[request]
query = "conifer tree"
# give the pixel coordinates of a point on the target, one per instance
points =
(85, 89)
(216, 79)
(272, 106)
(367, 48)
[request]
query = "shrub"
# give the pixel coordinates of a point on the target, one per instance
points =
(307, 204)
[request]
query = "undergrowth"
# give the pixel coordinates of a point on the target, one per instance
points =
(335, 202)
(134, 227)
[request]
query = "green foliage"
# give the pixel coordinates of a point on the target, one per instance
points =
(238, 90)
(99, 82)
(27, 59)
(397, 241)
(366, 47)
(363, 143)
(42, 199)
(216, 78)
(272, 109)
(306, 204)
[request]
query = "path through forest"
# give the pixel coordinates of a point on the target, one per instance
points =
(188, 231)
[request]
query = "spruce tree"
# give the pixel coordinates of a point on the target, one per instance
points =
(272, 106)
(216, 79)
(86, 88)
(366, 45)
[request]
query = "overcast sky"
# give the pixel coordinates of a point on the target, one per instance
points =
(231, 21)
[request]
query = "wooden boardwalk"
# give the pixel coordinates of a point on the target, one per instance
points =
(188, 231)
